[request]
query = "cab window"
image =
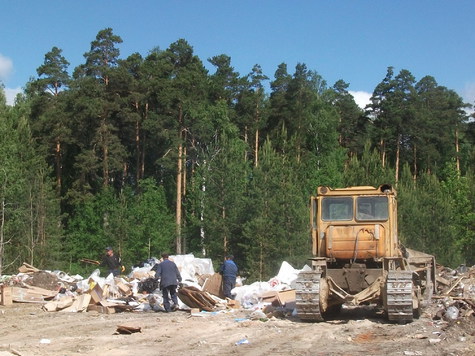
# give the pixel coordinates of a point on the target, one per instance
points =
(371, 208)
(337, 208)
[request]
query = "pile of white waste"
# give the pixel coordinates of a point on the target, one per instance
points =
(250, 296)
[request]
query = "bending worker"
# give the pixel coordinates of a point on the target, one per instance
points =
(169, 275)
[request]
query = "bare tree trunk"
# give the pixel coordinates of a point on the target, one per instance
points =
(382, 148)
(59, 166)
(106, 165)
(41, 219)
(179, 183)
(137, 144)
(32, 246)
(202, 210)
(105, 153)
(178, 199)
(184, 166)
(256, 149)
(398, 151)
(2, 235)
(256, 140)
(457, 150)
(245, 140)
(261, 260)
(225, 237)
(142, 157)
(125, 171)
(414, 150)
(183, 194)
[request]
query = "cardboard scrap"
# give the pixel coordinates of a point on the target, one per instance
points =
(142, 275)
(234, 304)
(213, 284)
(96, 294)
(101, 309)
(80, 304)
(59, 304)
(269, 297)
(286, 296)
(116, 305)
(50, 307)
(279, 298)
(124, 289)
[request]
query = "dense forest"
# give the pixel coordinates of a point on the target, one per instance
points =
(158, 154)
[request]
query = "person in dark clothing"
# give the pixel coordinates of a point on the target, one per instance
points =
(169, 275)
(229, 270)
(112, 262)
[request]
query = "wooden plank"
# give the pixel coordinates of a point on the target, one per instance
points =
(195, 298)
(30, 295)
(46, 293)
(128, 329)
(6, 295)
(25, 268)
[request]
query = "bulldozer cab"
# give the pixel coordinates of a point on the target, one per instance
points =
(355, 223)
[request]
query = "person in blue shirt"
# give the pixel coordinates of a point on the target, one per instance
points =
(169, 275)
(229, 270)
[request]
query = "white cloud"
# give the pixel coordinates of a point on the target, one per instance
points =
(361, 98)
(10, 94)
(6, 67)
(468, 93)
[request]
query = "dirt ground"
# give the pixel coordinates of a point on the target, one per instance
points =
(26, 329)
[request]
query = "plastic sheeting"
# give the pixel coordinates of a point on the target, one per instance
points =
(250, 296)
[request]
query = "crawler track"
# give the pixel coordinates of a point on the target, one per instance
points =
(308, 296)
(399, 296)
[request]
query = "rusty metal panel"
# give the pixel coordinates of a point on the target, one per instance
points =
(355, 242)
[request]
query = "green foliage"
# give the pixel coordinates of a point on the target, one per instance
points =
(458, 189)
(276, 228)
(113, 136)
(217, 199)
(29, 229)
(427, 218)
(367, 170)
(352, 123)
(138, 226)
(150, 225)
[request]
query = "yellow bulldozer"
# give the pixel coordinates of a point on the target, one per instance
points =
(358, 259)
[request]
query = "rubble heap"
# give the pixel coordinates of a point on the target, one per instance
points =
(455, 293)
(201, 291)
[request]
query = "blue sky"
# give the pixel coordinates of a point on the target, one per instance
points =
(351, 40)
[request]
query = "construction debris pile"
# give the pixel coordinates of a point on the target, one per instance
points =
(455, 293)
(201, 291)
(138, 291)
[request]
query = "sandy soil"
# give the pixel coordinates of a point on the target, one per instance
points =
(26, 329)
